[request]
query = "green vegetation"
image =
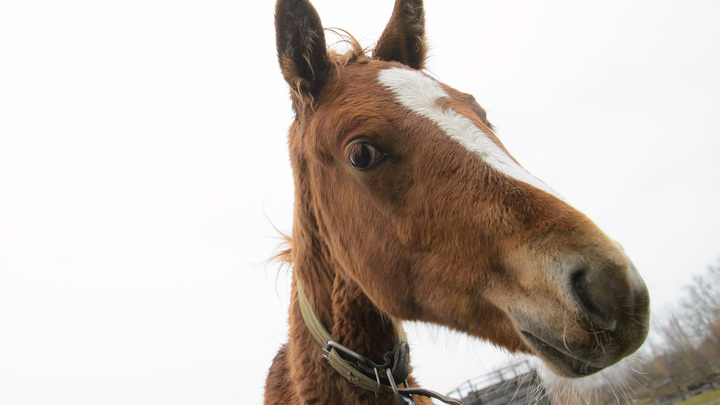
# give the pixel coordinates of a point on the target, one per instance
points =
(707, 398)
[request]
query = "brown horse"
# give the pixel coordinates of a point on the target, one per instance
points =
(408, 207)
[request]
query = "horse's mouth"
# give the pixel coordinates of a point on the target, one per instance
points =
(560, 359)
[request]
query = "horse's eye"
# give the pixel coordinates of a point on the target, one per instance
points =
(364, 156)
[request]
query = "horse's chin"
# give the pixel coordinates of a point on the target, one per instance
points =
(617, 379)
(572, 354)
(559, 361)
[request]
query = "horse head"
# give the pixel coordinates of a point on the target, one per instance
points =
(404, 191)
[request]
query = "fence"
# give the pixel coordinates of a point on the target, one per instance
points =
(514, 384)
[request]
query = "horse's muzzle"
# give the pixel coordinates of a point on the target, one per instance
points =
(604, 316)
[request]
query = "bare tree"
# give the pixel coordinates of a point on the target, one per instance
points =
(701, 303)
(683, 350)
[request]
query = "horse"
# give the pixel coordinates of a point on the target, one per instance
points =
(409, 208)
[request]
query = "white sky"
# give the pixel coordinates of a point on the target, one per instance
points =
(143, 161)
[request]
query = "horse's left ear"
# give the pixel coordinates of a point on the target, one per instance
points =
(404, 37)
(302, 53)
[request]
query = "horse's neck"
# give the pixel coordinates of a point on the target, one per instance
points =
(351, 318)
(347, 313)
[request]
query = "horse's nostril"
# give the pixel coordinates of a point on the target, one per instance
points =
(592, 299)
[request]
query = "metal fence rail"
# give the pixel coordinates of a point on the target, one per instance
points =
(514, 384)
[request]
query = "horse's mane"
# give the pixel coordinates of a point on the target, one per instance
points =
(354, 51)
(284, 251)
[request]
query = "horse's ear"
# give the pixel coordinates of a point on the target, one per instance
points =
(404, 37)
(301, 48)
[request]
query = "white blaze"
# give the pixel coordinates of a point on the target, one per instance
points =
(420, 94)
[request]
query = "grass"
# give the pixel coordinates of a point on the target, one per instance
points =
(707, 398)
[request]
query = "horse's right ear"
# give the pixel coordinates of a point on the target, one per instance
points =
(404, 37)
(301, 48)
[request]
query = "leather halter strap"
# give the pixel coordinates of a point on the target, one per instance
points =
(397, 361)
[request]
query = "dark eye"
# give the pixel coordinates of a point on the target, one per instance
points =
(364, 156)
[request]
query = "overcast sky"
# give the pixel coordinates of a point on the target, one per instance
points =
(143, 165)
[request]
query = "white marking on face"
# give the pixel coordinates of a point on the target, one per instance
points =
(420, 94)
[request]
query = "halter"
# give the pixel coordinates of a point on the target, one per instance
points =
(364, 373)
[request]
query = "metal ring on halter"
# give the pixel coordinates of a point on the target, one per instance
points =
(402, 399)
(394, 386)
